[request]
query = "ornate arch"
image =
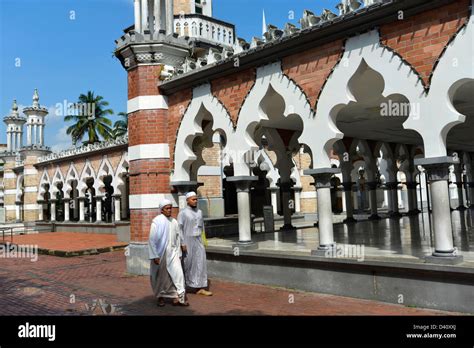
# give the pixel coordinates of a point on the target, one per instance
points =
(105, 169)
(190, 128)
(270, 78)
(71, 175)
(87, 173)
(57, 179)
(45, 180)
(359, 50)
(453, 70)
(121, 171)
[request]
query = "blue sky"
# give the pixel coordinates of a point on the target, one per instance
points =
(65, 48)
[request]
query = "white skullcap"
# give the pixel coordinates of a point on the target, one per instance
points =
(190, 194)
(164, 203)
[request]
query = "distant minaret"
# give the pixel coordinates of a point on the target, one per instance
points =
(264, 25)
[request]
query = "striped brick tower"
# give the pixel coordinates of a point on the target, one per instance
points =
(144, 53)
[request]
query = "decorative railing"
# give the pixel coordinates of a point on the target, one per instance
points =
(85, 149)
(203, 27)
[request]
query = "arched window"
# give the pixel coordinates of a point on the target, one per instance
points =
(186, 29)
(193, 29)
(200, 29)
(178, 28)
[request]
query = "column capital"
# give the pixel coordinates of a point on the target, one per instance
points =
(242, 183)
(117, 196)
(285, 186)
(391, 185)
(322, 176)
(184, 187)
(372, 185)
(437, 168)
(275, 189)
(348, 186)
(67, 199)
(411, 185)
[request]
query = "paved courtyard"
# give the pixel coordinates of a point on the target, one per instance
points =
(98, 285)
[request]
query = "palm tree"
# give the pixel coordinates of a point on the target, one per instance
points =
(120, 126)
(91, 119)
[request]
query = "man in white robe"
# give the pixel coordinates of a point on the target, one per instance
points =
(164, 247)
(191, 224)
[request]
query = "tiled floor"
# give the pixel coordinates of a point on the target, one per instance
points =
(407, 238)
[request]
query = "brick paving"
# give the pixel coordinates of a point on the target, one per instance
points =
(68, 241)
(71, 286)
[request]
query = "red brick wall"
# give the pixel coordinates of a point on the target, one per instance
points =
(143, 80)
(231, 90)
(178, 103)
(421, 39)
(310, 69)
(148, 127)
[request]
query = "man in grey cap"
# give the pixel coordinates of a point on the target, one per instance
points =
(191, 225)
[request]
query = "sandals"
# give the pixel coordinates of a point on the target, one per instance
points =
(161, 302)
(181, 301)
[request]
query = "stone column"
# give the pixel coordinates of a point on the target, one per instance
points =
(82, 217)
(470, 186)
(40, 210)
(138, 17)
(243, 184)
(438, 175)
(19, 142)
(372, 186)
(322, 181)
(98, 209)
(393, 198)
(35, 134)
(41, 139)
(274, 191)
(157, 15)
(349, 202)
(18, 211)
(169, 17)
(144, 15)
(285, 190)
(117, 209)
(412, 198)
(28, 134)
(297, 199)
(66, 209)
(53, 210)
(13, 141)
(459, 185)
(183, 188)
(9, 141)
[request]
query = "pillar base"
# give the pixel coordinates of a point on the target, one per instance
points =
(395, 215)
(444, 260)
(414, 212)
(287, 228)
(374, 217)
(349, 220)
(250, 245)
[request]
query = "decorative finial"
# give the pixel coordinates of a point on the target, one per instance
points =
(15, 108)
(35, 98)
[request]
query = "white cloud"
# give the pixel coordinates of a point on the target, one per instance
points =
(62, 140)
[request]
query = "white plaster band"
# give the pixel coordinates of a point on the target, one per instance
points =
(9, 175)
(149, 151)
(31, 189)
(209, 171)
(30, 171)
(9, 192)
(308, 194)
(151, 201)
(148, 102)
